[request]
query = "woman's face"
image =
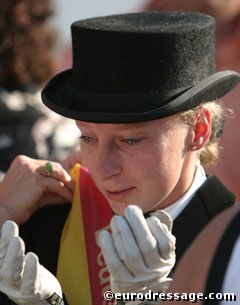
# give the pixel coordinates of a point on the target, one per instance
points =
(147, 164)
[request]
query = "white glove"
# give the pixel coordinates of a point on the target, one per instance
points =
(22, 278)
(140, 253)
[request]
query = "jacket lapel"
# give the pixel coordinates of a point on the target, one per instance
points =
(209, 200)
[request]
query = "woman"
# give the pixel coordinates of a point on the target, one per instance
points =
(147, 122)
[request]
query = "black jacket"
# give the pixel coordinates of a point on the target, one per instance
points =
(42, 232)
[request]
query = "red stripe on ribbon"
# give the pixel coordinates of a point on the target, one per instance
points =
(96, 216)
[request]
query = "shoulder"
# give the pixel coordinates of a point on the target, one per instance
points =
(215, 196)
(192, 271)
(42, 233)
(49, 216)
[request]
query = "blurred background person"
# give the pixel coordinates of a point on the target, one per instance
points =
(227, 15)
(211, 264)
(29, 56)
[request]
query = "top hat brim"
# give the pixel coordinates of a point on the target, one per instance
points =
(58, 96)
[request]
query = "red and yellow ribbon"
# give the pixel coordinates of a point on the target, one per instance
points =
(81, 269)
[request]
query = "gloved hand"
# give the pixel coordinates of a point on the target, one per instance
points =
(140, 253)
(22, 278)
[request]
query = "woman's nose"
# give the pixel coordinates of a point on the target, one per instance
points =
(108, 162)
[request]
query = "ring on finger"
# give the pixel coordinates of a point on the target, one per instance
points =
(48, 168)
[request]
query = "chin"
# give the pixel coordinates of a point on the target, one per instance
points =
(118, 208)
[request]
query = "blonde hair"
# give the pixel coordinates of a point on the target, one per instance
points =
(209, 154)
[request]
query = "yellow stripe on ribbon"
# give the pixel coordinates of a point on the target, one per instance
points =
(72, 271)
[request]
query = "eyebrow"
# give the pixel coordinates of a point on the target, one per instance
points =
(120, 126)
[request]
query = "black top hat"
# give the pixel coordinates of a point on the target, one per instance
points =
(138, 67)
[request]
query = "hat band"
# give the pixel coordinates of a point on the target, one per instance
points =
(114, 102)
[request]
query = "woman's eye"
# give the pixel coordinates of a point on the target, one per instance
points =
(132, 141)
(86, 139)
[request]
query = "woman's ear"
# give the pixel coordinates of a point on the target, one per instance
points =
(201, 129)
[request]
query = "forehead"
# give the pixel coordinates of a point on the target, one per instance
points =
(160, 124)
(83, 125)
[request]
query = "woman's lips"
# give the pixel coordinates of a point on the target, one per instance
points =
(119, 195)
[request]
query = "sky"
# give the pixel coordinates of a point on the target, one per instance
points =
(67, 11)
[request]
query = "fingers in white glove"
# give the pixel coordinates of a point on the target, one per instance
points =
(22, 278)
(9, 230)
(137, 245)
(38, 282)
(136, 253)
(30, 275)
(113, 261)
(126, 246)
(165, 240)
(13, 264)
(164, 217)
(143, 235)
